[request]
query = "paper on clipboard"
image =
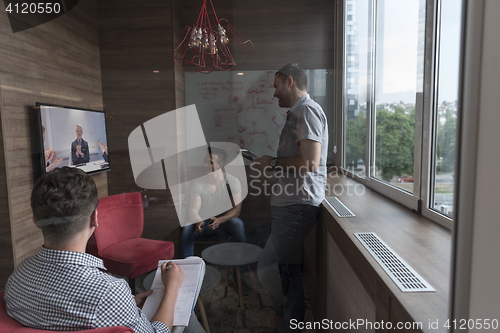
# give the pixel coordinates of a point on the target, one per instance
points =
(194, 271)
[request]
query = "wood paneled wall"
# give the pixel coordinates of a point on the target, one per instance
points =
(282, 31)
(57, 62)
(136, 39)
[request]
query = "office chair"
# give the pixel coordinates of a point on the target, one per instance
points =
(118, 242)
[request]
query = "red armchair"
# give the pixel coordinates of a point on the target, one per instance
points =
(118, 242)
(9, 325)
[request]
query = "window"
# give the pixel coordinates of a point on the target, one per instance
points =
(386, 108)
(357, 71)
(445, 109)
(398, 74)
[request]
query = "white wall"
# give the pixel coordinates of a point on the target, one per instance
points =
(485, 269)
(475, 291)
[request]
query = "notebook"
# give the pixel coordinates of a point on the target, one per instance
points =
(194, 271)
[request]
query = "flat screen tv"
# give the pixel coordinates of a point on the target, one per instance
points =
(72, 137)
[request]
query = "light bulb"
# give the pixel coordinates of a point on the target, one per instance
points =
(197, 40)
(222, 31)
(192, 38)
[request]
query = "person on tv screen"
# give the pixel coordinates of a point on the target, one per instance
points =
(79, 148)
(51, 160)
(104, 151)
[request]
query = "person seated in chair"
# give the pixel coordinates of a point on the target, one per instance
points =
(62, 288)
(204, 198)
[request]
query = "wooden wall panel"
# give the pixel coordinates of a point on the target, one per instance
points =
(177, 31)
(57, 62)
(282, 31)
(6, 250)
(136, 39)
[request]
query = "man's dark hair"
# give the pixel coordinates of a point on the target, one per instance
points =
(296, 72)
(222, 155)
(62, 201)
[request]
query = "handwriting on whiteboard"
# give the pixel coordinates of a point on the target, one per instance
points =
(242, 109)
(238, 109)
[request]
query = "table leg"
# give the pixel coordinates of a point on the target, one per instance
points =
(255, 285)
(210, 300)
(203, 315)
(227, 281)
(238, 274)
(252, 276)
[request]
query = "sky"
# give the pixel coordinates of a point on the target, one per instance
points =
(398, 36)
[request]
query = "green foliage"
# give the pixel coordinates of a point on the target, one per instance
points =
(355, 139)
(446, 143)
(394, 142)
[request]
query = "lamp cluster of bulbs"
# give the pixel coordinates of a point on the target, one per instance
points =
(207, 40)
(204, 49)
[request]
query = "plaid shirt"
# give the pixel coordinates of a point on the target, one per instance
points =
(68, 291)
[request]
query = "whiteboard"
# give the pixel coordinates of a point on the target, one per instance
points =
(239, 107)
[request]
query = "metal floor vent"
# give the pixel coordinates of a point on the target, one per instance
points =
(398, 270)
(340, 209)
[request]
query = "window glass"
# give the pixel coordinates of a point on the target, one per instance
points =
(446, 107)
(356, 85)
(398, 77)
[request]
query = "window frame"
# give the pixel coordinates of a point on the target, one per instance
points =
(425, 117)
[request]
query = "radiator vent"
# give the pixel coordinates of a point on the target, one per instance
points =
(340, 209)
(398, 270)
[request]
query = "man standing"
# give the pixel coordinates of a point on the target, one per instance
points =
(62, 288)
(206, 197)
(79, 148)
(299, 189)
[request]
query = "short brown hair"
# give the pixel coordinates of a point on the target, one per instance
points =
(296, 72)
(62, 193)
(221, 154)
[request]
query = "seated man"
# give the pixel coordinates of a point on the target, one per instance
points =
(204, 198)
(62, 288)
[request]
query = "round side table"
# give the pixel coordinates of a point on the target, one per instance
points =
(234, 254)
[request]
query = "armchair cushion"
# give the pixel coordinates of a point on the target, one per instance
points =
(118, 242)
(121, 217)
(136, 256)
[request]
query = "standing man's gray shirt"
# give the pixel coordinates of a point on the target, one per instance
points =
(305, 120)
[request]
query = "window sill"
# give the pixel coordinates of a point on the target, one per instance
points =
(422, 243)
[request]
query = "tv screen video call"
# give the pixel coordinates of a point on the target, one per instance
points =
(73, 137)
